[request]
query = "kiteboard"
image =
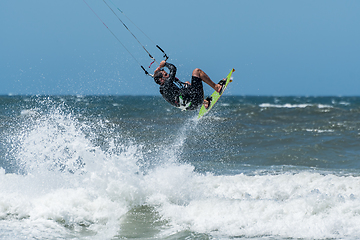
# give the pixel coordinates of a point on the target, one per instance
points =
(215, 96)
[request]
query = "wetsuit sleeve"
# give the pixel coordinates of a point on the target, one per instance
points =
(172, 74)
(172, 70)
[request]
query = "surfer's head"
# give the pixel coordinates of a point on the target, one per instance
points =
(160, 76)
(157, 77)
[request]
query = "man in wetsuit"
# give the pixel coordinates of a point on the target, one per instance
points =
(186, 96)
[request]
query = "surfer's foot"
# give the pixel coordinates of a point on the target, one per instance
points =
(221, 84)
(218, 88)
(207, 102)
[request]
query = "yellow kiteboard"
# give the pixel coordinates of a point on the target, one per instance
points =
(215, 96)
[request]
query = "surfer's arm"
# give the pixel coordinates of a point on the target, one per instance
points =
(171, 68)
(172, 74)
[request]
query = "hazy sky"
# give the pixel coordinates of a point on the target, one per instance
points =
(309, 48)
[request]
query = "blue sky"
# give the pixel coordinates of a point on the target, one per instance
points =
(308, 48)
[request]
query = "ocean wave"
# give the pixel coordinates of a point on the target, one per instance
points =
(303, 205)
(79, 177)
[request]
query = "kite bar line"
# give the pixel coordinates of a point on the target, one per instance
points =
(131, 21)
(115, 36)
(129, 30)
(165, 56)
(146, 72)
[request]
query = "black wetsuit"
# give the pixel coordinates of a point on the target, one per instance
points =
(182, 95)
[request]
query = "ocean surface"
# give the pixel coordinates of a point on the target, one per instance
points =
(127, 167)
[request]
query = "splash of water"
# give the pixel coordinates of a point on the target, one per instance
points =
(68, 177)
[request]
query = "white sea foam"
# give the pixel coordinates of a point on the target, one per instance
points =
(344, 103)
(319, 130)
(73, 189)
(28, 112)
(304, 205)
(288, 105)
(224, 104)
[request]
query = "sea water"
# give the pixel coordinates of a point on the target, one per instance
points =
(120, 167)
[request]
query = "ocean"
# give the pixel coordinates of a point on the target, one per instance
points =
(133, 167)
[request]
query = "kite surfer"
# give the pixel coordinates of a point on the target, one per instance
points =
(183, 95)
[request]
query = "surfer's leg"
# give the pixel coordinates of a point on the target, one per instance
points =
(205, 78)
(196, 91)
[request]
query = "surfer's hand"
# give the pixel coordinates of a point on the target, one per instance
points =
(162, 64)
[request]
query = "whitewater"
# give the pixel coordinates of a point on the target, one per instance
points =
(110, 167)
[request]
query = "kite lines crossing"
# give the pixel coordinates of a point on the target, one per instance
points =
(114, 12)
